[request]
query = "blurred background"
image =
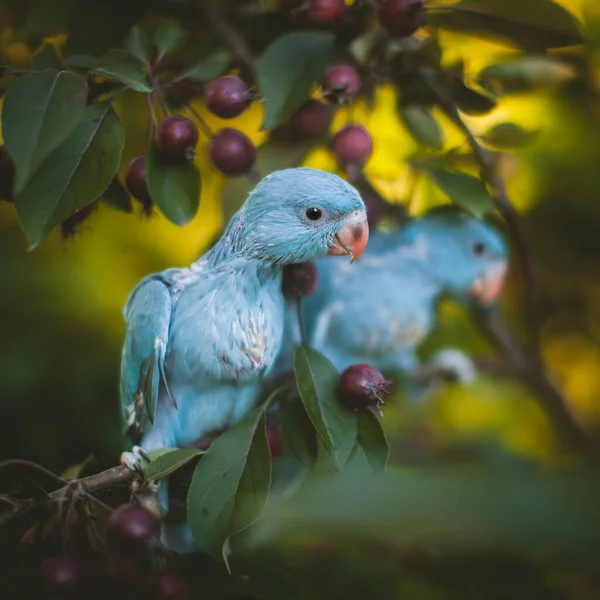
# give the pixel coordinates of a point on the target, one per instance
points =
(61, 325)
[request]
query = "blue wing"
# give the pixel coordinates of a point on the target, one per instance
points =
(147, 316)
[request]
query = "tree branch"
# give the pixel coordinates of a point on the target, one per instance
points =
(235, 42)
(526, 361)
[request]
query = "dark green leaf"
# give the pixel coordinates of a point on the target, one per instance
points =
(472, 102)
(371, 441)
(46, 58)
(210, 67)
(422, 126)
(81, 61)
(168, 38)
(173, 187)
(441, 509)
(538, 25)
(139, 44)
(317, 381)
(117, 196)
(74, 174)
(270, 157)
(168, 463)
(289, 69)
(525, 74)
(507, 136)
(230, 485)
(464, 190)
(124, 67)
(299, 432)
(39, 112)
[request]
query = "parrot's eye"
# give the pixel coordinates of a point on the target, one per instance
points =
(314, 214)
(479, 248)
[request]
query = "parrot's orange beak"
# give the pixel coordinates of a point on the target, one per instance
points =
(488, 287)
(350, 239)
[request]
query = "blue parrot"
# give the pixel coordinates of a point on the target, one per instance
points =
(379, 311)
(199, 339)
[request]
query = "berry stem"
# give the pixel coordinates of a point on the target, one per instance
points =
(203, 124)
(152, 116)
(300, 319)
(161, 101)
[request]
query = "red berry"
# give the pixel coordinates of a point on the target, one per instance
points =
(231, 151)
(62, 575)
(341, 83)
(135, 182)
(167, 585)
(226, 96)
(402, 17)
(131, 527)
(7, 175)
(325, 12)
(353, 145)
(69, 226)
(177, 137)
(311, 119)
(374, 210)
(299, 280)
(362, 386)
(274, 439)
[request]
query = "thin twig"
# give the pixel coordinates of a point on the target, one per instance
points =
(152, 126)
(203, 124)
(235, 42)
(28, 464)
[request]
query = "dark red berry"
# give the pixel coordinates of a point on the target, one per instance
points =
(325, 12)
(374, 210)
(135, 182)
(311, 119)
(231, 151)
(62, 576)
(7, 175)
(299, 280)
(353, 145)
(341, 83)
(167, 585)
(69, 227)
(177, 137)
(226, 96)
(131, 527)
(362, 386)
(402, 17)
(274, 439)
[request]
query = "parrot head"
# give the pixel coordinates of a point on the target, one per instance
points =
(301, 214)
(468, 256)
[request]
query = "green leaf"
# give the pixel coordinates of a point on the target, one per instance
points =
(168, 463)
(508, 136)
(466, 191)
(124, 67)
(210, 67)
(317, 381)
(74, 174)
(46, 58)
(443, 510)
(299, 432)
(371, 444)
(81, 61)
(117, 196)
(174, 187)
(288, 70)
(230, 485)
(139, 44)
(472, 102)
(538, 25)
(39, 112)
(168, 38)
(422, 126)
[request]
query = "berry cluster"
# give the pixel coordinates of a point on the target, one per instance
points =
(129, 564)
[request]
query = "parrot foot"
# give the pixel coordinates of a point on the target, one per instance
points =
(133, 460)
(454, 365)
